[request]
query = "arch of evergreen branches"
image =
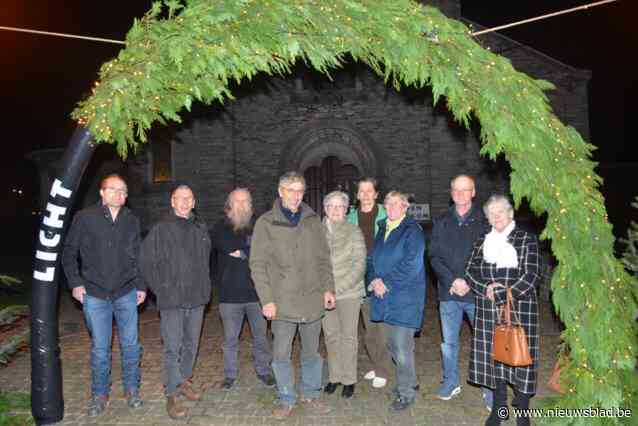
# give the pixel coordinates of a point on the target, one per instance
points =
(186, 51)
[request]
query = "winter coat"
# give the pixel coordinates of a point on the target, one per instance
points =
(398, 261)
(523, 281)
(175, 262)
(107, 250)
(233, 273)
(348, 258)
(450, 248)
(290, 265)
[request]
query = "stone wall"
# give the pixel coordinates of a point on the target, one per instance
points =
(397, 137)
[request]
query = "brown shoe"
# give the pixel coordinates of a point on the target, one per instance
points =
(315, 406)
(188, 390)
(282, 412)
(174, 407)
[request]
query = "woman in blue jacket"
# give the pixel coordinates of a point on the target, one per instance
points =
(397, 279)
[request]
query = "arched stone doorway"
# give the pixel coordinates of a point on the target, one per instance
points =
(330, 175)
(331, 155)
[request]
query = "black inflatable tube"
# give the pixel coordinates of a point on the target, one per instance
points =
(47, 402)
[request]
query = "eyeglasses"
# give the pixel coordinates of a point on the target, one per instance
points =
(294, 191)
(186, 199)
(336, 206)
(120, 191)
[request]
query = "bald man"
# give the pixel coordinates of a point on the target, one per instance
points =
(453, 235)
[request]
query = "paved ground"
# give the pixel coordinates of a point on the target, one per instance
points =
(250, 402)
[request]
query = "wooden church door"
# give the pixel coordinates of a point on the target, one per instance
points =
(330, 176)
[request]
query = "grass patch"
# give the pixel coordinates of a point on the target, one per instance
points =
(13, 409)
(16, 293)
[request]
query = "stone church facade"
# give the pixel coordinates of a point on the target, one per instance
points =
(333, 132)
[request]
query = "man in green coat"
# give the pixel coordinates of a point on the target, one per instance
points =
(290, 266)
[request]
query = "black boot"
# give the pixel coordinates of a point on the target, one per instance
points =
(330, 387)
(348, 391)
(522, 403)
(499, 405)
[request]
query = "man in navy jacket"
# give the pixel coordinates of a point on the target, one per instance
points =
(453, 235)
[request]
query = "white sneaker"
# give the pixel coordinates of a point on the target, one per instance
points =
(369, 375)
(378, 382)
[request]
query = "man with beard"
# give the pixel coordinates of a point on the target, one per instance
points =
(237, 296)
(175, 262)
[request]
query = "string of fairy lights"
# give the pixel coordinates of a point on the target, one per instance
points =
(431, 36)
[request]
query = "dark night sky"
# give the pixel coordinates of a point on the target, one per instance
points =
(43, 77)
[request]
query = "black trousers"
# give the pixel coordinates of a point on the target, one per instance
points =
(500, 410)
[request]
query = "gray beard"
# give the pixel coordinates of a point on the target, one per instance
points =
(240, 219)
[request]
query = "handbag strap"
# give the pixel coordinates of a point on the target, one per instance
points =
(507, 310)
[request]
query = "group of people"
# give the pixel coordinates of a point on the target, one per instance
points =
(304, 274)
(477, 255)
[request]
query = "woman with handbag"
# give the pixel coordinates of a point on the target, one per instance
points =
(506, 260)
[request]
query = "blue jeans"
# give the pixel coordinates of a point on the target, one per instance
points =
(311, 362)
(98, 314)
(451, 314)
(233, 319)
(401, 346)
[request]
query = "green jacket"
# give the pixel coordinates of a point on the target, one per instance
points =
(348, 256)
(353, 217)
(290, 265)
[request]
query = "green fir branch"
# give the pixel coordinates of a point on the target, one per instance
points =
(9, 281)
(13, 344)
(11, 313)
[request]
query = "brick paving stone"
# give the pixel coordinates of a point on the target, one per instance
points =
(250, 402)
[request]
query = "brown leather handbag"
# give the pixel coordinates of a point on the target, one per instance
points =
(510, 342)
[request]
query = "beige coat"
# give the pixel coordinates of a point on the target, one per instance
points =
(348, 258)
(290, 265)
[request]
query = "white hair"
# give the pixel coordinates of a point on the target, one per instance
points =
(337, 194)
(498, 199)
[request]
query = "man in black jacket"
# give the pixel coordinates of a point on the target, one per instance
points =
(174, 259)
(453, 235)
(105, 239)
(237, 296)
